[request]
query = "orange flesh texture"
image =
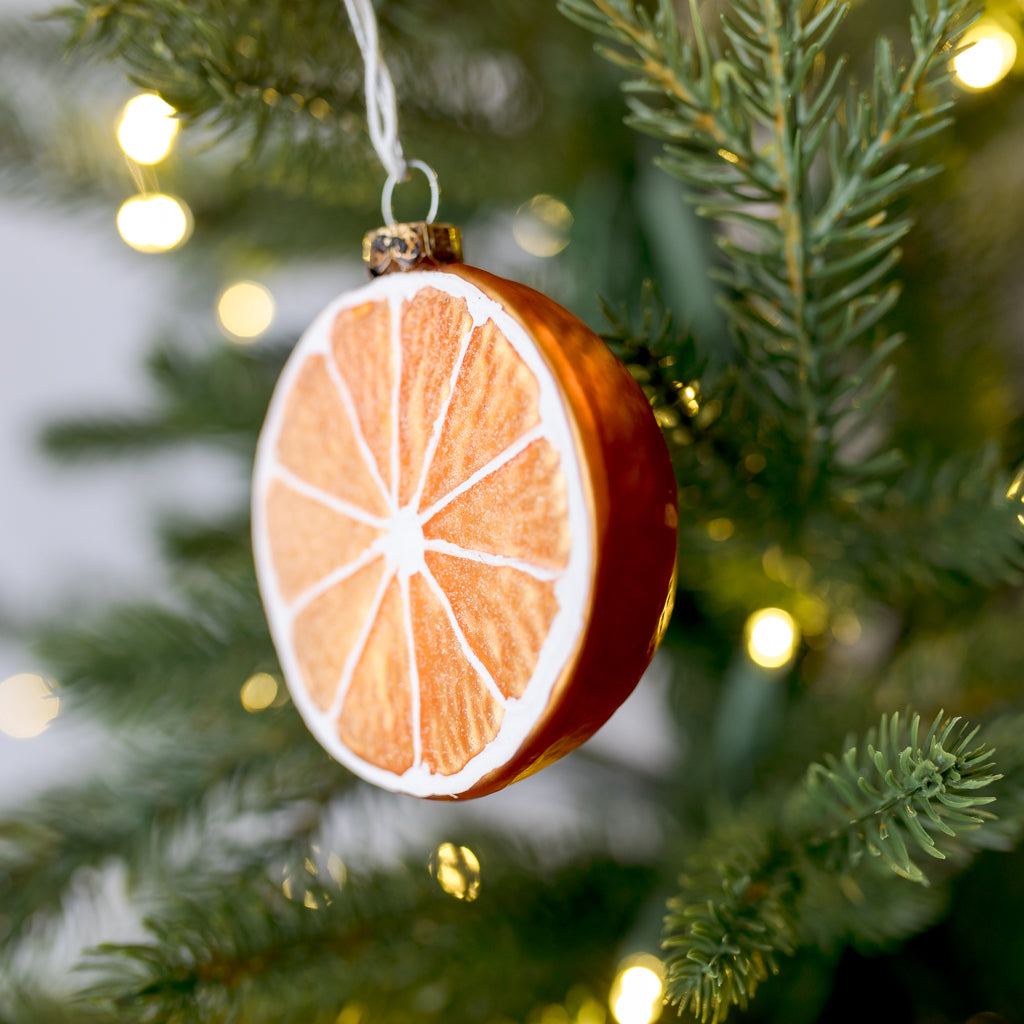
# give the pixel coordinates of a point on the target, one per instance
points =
(318, 442)
(309, 540)
(634, 514)
(358, 632)
(327, 629)
(433, 325)
(499, 397)
(361, 344)
(376, 718)
(482, 597)
(533, 524)
(458, 714)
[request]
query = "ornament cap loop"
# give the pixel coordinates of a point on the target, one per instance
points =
(416, 246)
(393, 179)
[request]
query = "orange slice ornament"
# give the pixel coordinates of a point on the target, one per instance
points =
(464, 525)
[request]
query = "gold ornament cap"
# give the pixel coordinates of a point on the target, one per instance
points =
(419, 245)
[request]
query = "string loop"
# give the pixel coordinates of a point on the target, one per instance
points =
(393, 179)
(382, 110)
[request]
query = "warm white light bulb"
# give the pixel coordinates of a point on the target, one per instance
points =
(636, 996)
(989, 59)
(27, 705)
(245, 310)
(772, 637)
(147, 129)
(154, 223)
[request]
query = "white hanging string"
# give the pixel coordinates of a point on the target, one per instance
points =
(382, 109)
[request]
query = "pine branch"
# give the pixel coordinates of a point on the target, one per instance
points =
(138, 661)
(219, 396)
(895, 792)
(890, 799)
(159, 788)
(391, 941)
(807, 268)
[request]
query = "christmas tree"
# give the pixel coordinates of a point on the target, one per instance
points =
(795, 223)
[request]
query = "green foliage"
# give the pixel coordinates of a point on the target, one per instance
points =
(802, 172)
(219, 396)
(391, 943)
(897, 789)
(759, 880)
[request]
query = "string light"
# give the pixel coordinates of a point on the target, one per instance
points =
(245, 310)
(147, 129)
(991, 53)
(457, 871)
(154, 223)
(637, 993)
(258, 692)
(542, 226)
(27, 705)
(772, 637)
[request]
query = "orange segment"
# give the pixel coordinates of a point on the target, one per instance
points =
(433, 326)
(326, 631)
(458, 715)
(495, 401)
(376, 718)
(364, 354)
(309, 540)
(504, 613)
(533, 525)
(318, 443)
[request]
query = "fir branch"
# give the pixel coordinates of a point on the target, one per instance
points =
(140, 661)
(807, 273)
(665, 365)
(726, 929)
(895, 792)
(940, 525)
(159, 787)
(390, 940)
(889, 799)
(218, 396)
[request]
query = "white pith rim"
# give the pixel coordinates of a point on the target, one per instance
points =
(572, 585)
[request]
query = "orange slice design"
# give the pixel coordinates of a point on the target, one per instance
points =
(495, 402)
(327, 630)
(310, 540)
(433, 327)
(533, 525)
(459, 715)
(376, 718)
(413, 504)
(364, 354)
(504, 613)
(318, 442)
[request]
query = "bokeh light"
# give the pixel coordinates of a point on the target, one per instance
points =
(308, 885)
(154, 223)
(147, 129)
(991, 53)
(1015, 494)
(27, 705)
(258, 692)
(245, 310)
(637, 995)
(457, 871)
(542, 226)
(772, 637)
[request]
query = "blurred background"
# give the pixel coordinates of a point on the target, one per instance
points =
(158, 258)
